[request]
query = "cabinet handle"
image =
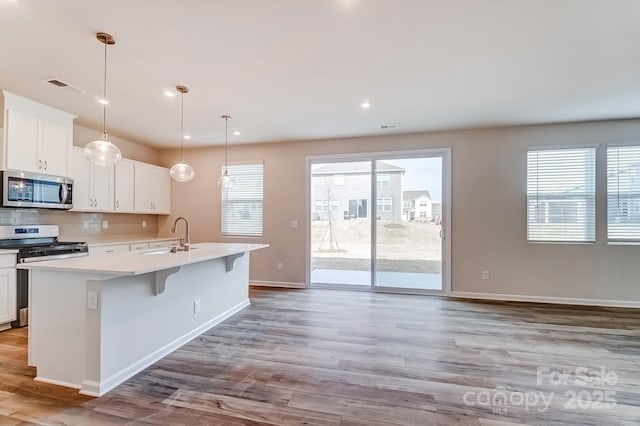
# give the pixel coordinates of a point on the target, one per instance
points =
(39, 164)
(45, 164)
(117, 204)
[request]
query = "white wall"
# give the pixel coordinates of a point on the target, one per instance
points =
(488, 209)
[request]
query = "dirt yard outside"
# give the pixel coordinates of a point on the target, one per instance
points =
(401, 246)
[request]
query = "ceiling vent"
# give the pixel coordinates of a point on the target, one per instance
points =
(387, 127)
(59, 83)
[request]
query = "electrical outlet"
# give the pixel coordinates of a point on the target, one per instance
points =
(105, 224)
(92, 300)
(280, 266)
(85, 224)
(144, 223)
(485, 275)
(294, 224)
(196, 306)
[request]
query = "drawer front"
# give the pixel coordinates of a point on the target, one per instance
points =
(7, 260)
(115, 248)
(160, 244)
(139, 246)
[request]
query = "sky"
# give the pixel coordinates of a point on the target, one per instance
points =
(421, 174)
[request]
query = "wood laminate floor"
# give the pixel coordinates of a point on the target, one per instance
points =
(323, 357)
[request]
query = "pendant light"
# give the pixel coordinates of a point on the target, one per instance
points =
(181, 171)
(102, 152)
(225, 181)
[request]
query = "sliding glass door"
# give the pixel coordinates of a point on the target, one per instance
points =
(378, 222)
(408, 243)
(341, 223)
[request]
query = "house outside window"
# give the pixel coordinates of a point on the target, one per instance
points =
(384, 204)
(338, 180)
(383, 180)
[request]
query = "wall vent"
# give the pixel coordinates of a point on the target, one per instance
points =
(387, 126)
(59, 83)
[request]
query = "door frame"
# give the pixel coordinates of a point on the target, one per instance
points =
(445, 153)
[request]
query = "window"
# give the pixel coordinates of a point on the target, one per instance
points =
(623, 193)
(242, 205)
(561, 188)
(407, 204)
(424, 203)
(383, 180)
(384, 204)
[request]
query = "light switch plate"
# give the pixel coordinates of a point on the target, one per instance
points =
(294, 224)
(92, 300)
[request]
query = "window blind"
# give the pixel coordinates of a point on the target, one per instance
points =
(561, 189)
(623, 193)
(242, 205)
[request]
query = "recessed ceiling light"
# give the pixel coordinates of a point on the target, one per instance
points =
(236, 132)
(365, 104)
(187, 137)
(169, 93)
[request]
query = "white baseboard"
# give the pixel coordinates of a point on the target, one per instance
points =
(56, 382)
(542, 299)
(92, 388)
(281, 284)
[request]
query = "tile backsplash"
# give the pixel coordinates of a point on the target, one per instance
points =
(76, 225)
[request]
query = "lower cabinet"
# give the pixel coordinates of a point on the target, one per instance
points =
(8, 297)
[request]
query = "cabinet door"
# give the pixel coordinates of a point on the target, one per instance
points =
(55, 143)
(162, 191)
(144, 188)
(101, 180)
(124, 186)
(8, 300)
(81, 171)
(22, 141)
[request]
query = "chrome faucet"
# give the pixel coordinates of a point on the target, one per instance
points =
(185, 243)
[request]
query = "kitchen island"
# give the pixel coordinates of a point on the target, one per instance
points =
(95, 321)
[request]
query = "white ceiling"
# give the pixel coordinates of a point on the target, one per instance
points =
(299, 69)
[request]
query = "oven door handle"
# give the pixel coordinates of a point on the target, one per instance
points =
(63, 193)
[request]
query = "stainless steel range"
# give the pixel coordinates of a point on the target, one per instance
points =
(35, 243)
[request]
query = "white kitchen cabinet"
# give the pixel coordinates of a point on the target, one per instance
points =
(152, 189)
(37, 138)
(124, 180)
(8, 297)
(93, 185)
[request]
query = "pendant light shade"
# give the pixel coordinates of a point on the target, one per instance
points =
(181, 171)
(102, 152)
(225, 181)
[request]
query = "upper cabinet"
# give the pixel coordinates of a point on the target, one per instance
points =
(152, 189)
(92, 185)
(124, 189)
(37, 138)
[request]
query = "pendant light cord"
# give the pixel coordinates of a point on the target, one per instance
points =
(226, 137)
(104, 95)
(182, 127)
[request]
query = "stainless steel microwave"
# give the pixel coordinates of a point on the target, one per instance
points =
(25, 189)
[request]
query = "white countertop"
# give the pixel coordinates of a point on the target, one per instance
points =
(141, 262)
(8, 251)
